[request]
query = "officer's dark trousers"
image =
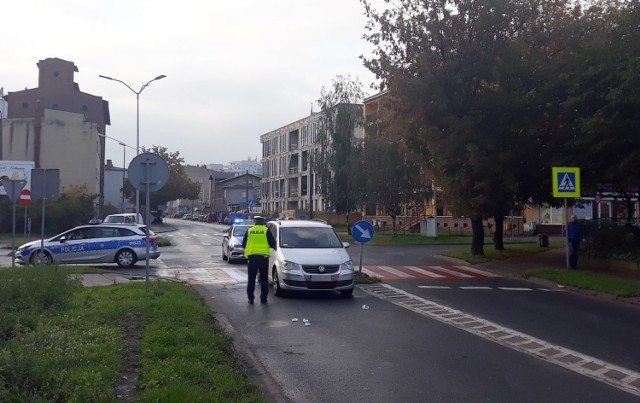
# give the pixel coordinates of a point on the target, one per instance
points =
(258, 264)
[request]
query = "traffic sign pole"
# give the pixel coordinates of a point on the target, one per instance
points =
(362, 232)
(566, 183)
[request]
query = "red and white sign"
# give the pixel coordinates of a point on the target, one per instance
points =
(25, 197)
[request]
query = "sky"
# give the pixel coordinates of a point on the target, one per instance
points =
(235, 69)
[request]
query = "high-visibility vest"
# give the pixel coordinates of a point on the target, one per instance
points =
(257, 243)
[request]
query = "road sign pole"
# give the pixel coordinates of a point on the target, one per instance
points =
(360, 266)
(13, 237)
(566, 234)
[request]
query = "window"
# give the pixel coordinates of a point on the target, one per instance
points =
(25, 105)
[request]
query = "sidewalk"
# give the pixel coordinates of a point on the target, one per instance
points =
(556, 259)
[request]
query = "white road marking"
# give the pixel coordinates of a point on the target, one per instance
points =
(394, 271)
(476, 288)
(424, 272)
(622, 378)
(438, 287)
(515, 289)
(452, 272)
(477, 271)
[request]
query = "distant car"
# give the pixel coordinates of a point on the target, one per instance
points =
(102, 243)
(123, 218)
(232, 249)
(310, 256)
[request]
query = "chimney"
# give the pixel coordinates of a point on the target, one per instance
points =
(109, 164)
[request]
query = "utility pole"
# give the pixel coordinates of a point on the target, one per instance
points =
(246, 195)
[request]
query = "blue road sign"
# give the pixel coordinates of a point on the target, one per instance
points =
(362, 231)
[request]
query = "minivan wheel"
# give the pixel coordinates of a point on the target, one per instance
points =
(126, 258)
(277, 291)
(347, 293)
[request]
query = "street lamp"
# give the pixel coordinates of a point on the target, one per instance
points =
(124, 161)
(160, 77)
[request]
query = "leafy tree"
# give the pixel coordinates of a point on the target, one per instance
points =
(339, 156)
(472, 76)
(604, 102)
(179, 186)
(394, 172)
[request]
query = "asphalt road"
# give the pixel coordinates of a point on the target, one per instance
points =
(433, 330)
(392, 351)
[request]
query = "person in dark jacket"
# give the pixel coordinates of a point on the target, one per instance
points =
(258, 242)
(574, 237)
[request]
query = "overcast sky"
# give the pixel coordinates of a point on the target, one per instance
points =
(235, 69)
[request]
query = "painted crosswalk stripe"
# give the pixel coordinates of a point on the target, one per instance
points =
(424, 272)
(371, 273)
(236, 274)
(452, 272)
(394, 271)
(477, 271)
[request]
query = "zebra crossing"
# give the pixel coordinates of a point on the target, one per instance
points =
(445, 272)
(204, 275)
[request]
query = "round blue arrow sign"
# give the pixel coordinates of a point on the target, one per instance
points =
(362, 231)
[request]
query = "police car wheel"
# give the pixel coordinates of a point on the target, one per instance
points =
(41, 259)
(126, 258)
(224, 256)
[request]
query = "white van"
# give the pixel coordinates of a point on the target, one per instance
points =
(309, 256)
(123, 218)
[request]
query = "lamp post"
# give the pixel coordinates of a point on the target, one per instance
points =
(160, 77)
(124, 168)
(124, 161)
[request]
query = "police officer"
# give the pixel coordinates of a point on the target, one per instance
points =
(257, 243)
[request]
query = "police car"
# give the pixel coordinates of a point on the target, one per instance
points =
(232, 249)
(102, 243)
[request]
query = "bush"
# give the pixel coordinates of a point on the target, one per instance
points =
(612, 240)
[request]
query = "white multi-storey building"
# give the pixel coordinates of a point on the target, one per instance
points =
(288, 180)
(252, 166)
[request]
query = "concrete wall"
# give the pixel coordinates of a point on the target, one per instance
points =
(67, 143)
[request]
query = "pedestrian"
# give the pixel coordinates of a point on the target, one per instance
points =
(257, 243)
(574, 237)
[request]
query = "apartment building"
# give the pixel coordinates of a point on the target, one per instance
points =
(289, 180)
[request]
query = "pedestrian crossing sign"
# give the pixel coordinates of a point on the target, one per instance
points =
(566, 182)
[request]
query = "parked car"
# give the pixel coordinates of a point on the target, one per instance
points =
(232, 249)
(309, 256)
(123, 218)
(124, 244)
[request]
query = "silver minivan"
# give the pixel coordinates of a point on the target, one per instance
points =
(309, 256)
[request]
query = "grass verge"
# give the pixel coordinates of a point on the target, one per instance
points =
(60, 341)
(510, 251)
(588, 281)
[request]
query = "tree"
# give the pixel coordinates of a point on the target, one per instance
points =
(604, 100)
(179, 186)
(474, 77)
(338, 160)
(394, 172)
